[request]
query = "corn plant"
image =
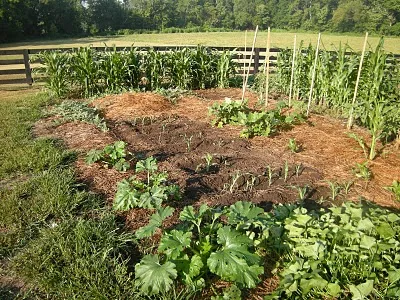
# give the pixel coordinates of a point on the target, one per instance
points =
(56, 69)
(85, 70)
(114, 70)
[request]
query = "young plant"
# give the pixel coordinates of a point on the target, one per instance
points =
(302, 192)
(285, 171)
(208, 163)
(335, 189)
(270, 175)
(112, 155)
(203, 246)
(293, 146)
(360, 141)
(395, 189)
(362, 171)
(234, 179)
(133, 192)
(188, 141)
(346, 186)
(299, 169)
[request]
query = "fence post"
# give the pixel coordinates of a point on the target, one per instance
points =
(28, 71)
(256, 60)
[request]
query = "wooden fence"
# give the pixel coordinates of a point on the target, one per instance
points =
(10, 67)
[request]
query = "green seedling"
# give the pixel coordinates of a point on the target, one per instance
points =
(395, 189)
(335, 189)
(293, 146)
(346, 186)
(208, 163)
(251, 182)
(302, 192)
(362, 171)
(286, 171)
(299, 169)
(234, 179)
(270, 175)
(188, 141)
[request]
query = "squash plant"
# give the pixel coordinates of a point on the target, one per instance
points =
(201, 247)
(134, 192)
(112, 155)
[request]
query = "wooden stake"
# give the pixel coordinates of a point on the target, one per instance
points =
(313, 74)
(292, 75)
(251, 58)
(244, 56)
(267, 71)
(350, 121)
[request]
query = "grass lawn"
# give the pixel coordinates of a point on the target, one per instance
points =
(279, 39)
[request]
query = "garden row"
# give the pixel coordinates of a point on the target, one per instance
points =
(90, 72)
(376, 105)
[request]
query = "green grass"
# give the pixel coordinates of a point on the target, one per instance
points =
(55, 237)
(279, 38)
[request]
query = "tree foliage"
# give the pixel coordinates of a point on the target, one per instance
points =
(35, 18)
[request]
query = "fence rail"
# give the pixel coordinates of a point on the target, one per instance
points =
(242, 56)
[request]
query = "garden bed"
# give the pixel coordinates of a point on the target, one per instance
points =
(179, 136)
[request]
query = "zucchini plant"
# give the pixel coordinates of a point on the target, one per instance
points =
(150, 193)
(112, 155)
(203, 247)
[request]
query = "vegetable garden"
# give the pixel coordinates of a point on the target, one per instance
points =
(219, 197)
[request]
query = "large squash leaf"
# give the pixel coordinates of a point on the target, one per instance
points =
(234, 261)
(153, 277)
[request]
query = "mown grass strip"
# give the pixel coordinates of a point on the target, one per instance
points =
(54, 235)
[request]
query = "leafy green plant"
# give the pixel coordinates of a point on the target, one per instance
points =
(79, 111)
(395, 189)
(339, 253)
(293, 146)
(229, 112)
(133, 192)
(112, 155)
(361, 170)
(200, 247)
